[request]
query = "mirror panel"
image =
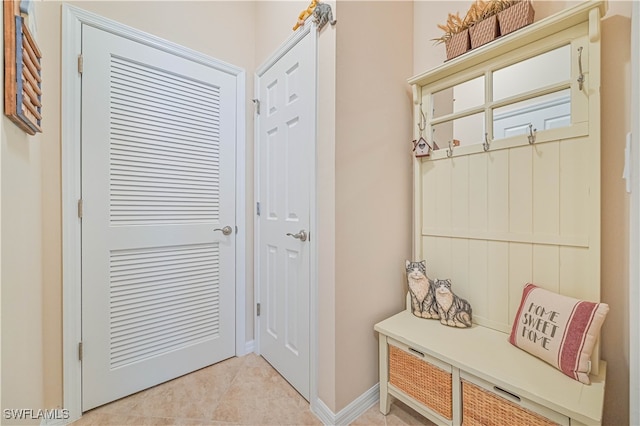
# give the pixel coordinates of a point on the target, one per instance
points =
(526, 75)
(459, 97)
(543, 112)
(467, 130)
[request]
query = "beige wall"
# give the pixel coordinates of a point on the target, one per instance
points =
(373, 182)
(616, 87)
(326, 214)
(616, 103)
(22, 268)
(274, 24)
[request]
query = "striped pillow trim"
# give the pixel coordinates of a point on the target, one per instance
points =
(573, 341)
(525, 294)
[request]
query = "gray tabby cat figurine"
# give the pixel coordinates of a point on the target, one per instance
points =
(422, 291)
(323, 14)
(454, 311)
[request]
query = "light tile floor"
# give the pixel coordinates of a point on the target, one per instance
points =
(244, 390)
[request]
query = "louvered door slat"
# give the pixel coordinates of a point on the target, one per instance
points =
(189, 93)
(130, 320)
(157, 332)
(131, 104)
(159, 123)
(172, 87)
(123, 129)
(135, 148)
(127, 329)
(138, 93)
(132, 298)
(160, 169)
(151, 167)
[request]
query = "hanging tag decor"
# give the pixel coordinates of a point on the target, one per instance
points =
(421, 147)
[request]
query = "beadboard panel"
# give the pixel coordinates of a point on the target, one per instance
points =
(494, 221)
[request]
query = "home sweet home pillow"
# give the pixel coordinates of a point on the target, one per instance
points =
(558, 329)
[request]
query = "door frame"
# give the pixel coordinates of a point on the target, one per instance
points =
(309, 29)
(73, 19)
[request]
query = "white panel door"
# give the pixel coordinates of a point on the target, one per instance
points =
(158, 177)
(542, 116)
(286, 144)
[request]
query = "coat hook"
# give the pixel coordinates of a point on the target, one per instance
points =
(581, 76)
(423, 121)
(450, 150)
(485, 144)
(532, 134)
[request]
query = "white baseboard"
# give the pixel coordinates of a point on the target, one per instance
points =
(248, 347)
(55, 422)
(349, 413)
(320, 409)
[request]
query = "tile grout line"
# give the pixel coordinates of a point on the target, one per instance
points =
(226, 391)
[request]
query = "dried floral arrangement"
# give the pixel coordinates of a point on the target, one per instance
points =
(479, 10)
(454, 25)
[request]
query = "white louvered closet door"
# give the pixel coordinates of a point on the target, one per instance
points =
(158, 176)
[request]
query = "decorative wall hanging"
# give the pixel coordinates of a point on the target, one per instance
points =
(22, 72)
(323, 14)
(421, 147)
(305, 14)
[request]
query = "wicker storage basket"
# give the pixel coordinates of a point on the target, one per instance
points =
(515, 17)
(423, 381)
(480, 407)
(484, 31)
(458, 44)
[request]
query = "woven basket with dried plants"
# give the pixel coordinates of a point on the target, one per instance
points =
(484, 22)
(456, 35)
(454, 25)
(480, 21)
(515, 15)
(493, 7)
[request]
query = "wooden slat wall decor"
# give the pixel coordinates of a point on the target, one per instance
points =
(23, 72)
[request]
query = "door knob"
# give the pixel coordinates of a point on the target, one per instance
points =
(302, 235)
(227, 230)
